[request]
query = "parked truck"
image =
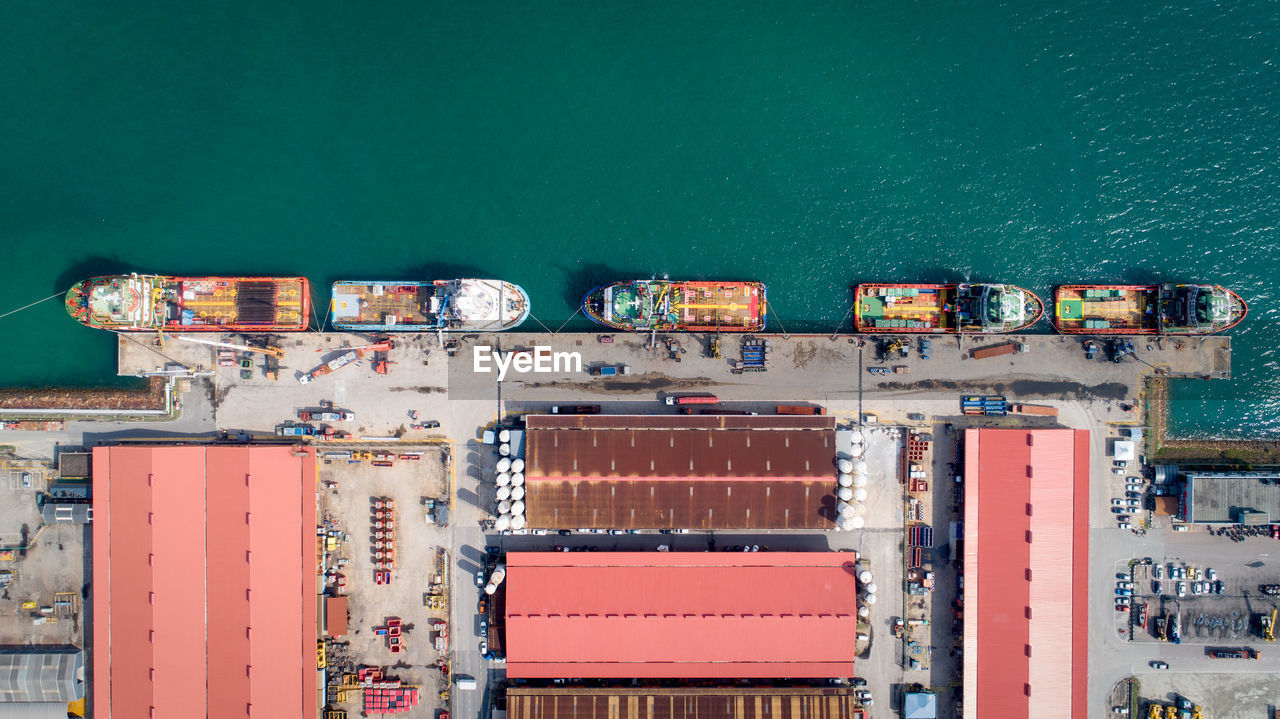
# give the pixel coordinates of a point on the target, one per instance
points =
(1006, 348)
(800, 409)
(1037, 409)
(692, 399)
(611, 370)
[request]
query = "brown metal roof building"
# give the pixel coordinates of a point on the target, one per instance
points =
(668, 472)
(683, 703)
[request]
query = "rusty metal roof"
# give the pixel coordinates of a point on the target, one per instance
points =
(712, 472)
(682, 703)
(691, 504)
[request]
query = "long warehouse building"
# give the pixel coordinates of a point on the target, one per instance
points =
(1026, 557)
(682, 703)
(204, 582)
(680, 615)
(680, 472)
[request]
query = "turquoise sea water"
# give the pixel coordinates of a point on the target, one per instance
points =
(559, 145)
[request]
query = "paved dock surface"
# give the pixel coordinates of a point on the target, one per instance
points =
(802, 369)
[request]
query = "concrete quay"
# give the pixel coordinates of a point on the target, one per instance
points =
(804, 368)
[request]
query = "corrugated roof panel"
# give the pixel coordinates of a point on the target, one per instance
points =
(228, 561)
(680, 615)
(691, 504)
(178, 573)
(1026, 522)
(168, 521)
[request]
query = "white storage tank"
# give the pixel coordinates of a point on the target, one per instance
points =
(518, 521)
(869, 599)
(504, 493)
(517, 479)
(504, 435)
(847, 511)
(504, 479)
(864, 611)
(864, 576)
(502, 523)
(490, 588)
(517, 493)
(860, 494)
(859, 480)
(859, 465)
(504, 464)
(845, 479)
(517, 465)
(517, 508)
(845, 493)
(504, 507)
(504, 449)
(844, 465)
(870, 587)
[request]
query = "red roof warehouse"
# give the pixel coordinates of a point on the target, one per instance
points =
(680, 615)
(204, 582)
(1026, 559)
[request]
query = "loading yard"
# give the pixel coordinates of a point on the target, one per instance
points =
(404, 611)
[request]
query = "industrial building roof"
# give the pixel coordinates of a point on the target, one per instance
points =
(1025, 570)
(676, 471)
(1221, 498)
(41, 675)
(335, 616)
(682, 703)
(204, 581)
(680, 615)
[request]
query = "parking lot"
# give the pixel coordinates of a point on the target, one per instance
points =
(350, 493)
(1215, 602)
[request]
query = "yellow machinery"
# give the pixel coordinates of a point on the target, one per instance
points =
(1197, 712)
(1171, 712)
(1269, 626)
(1153, 712)
(270, 351)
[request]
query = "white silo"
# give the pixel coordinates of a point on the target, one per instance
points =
(504, 449)
(858, 522)
(504, 464)
(504, 507)
(845, 493)
(517, 493)
(504, 493)
(844, 465)
(517, 465)
(504, 479)
(517, 479)
(502, 523)
(860, 494)
(504, 435)
(518, 522)
(845, 479)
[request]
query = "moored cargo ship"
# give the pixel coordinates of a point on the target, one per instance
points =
(440, 305)
(147, 303)
(1165, 309)
(666, 306)
(945, 309)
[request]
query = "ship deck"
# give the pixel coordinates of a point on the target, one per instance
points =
(226, 302)
(919, 309)
(725, 307)
(1101, 308)
(357, 304)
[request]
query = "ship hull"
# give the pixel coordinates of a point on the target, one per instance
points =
(428, 306)
(1121, 310)
(665, 306)
(905, 308)
(151, 303)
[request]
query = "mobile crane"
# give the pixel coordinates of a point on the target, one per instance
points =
(1269, 626)
(349, 355)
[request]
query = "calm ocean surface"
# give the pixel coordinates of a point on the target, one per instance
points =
(558, 145)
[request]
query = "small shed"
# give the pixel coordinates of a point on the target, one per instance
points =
(920, 705)
(1124, 451)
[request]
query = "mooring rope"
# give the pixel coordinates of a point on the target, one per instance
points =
(566, 322)
(769, 306)
(33, 304)
(836, 332)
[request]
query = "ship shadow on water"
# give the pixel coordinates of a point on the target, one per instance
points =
(90, 267)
